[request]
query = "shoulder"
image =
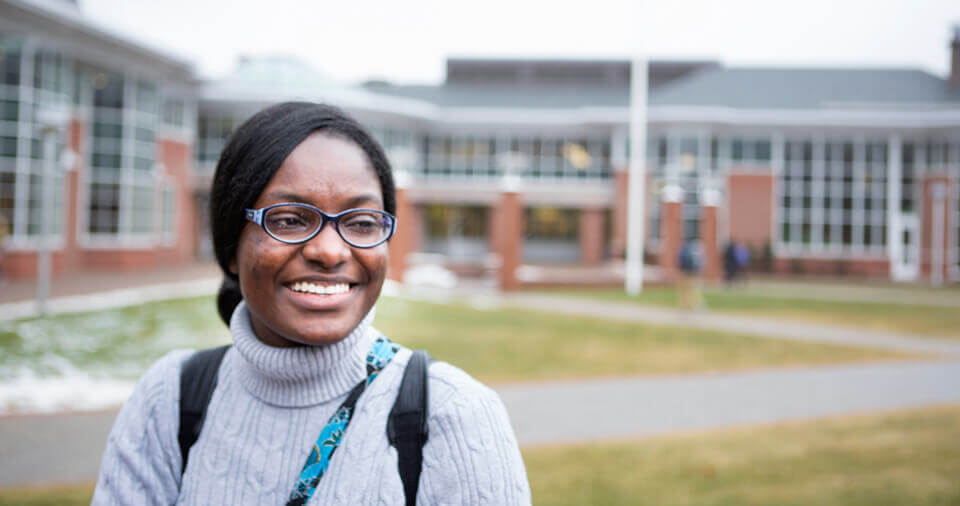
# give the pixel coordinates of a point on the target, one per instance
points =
(142, 458)
(451, 391)
(471, 456)
(154, 402)
(160, 384)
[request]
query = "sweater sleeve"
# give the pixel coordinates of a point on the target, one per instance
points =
(471, 456)
(141, 463)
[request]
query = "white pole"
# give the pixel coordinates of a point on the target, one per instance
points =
(939, 211)
(46, 218)
(636, 192)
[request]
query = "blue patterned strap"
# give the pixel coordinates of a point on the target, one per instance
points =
(380, 355)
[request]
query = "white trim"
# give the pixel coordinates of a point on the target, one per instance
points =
(894, 221)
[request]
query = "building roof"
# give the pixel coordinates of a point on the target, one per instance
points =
(509, 96)
(261, 80)
(809, 88)
(711, 86)
(62, 20)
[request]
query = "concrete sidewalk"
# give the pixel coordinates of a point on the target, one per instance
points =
(92, 290)
(94, 281)
(41, 449)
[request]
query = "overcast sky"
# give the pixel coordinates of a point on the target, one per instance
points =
(407, 41)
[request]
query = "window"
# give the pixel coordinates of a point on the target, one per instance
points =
(10, 50)
(121, 192)
(142, 207)
(30, 81)
(908, 177)
(212, 133)
(747, 151)
(539, 158)
(832, 196)
(457, 232)
(444, 221)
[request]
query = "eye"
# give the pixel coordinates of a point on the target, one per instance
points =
(361, 223)
(286, 220)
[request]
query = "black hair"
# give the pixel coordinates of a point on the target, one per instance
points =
(252, 156)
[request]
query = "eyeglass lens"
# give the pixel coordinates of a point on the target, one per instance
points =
(296, 223)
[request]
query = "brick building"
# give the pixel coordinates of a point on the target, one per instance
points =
(508, 162)
(115, 122)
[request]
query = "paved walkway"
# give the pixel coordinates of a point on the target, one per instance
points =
(751, 325)
(569, 411)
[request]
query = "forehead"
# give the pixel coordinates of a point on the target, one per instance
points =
(325, 168)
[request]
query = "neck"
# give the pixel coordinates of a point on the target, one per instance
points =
(303, 375)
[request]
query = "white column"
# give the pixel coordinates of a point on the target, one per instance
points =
(777, 164)
(894, 222)
(636, 187)
(938, 209)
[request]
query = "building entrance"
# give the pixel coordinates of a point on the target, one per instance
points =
(907, 267)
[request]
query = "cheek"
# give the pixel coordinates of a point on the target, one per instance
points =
(253, 257)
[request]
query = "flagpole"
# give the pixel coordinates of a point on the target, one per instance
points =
(637, 177)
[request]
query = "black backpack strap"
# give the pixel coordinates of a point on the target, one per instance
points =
(198, 379)
(407, 425)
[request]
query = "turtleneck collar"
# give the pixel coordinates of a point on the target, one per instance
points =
(303, 375)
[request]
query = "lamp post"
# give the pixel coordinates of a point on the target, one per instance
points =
(51, 122)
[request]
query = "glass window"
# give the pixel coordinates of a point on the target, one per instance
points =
(174, 112)
(104, 208)
(551, 223)
(10, 50)
(142, 222)
(108, 90)
(842, 195)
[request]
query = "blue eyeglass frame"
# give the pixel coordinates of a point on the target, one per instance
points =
(256, 216)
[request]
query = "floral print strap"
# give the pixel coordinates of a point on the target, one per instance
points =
(380, 355)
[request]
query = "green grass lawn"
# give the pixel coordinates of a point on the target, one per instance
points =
(63, 495)
(935, 321)
(908, 458)
(514, 345)
(113, 343)
(494, 345)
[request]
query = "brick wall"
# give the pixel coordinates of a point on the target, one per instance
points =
(750, 208)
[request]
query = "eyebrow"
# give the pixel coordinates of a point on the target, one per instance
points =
(286, 196)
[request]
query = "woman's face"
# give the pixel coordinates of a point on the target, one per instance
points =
(332, 174)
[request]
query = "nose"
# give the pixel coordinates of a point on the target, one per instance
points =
(327, 248)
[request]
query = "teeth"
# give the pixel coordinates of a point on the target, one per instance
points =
(305, 287)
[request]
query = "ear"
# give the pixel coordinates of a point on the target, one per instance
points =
(233, 267)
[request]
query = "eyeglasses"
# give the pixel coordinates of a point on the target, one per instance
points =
(295, 223)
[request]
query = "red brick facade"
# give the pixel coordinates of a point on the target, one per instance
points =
(592, 240)
(710, 241)
(935, 209)
(176, 157)
(405, 238)
(671, 238)
(508, 228)
(750, 208)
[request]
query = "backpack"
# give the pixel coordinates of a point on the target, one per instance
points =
(406, 425)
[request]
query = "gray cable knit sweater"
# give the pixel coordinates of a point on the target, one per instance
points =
(267, 411)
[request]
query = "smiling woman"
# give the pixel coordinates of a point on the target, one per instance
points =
(302, 208)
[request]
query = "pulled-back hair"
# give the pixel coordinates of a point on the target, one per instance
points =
(251, 158)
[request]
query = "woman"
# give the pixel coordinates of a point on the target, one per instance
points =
(301, 325)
